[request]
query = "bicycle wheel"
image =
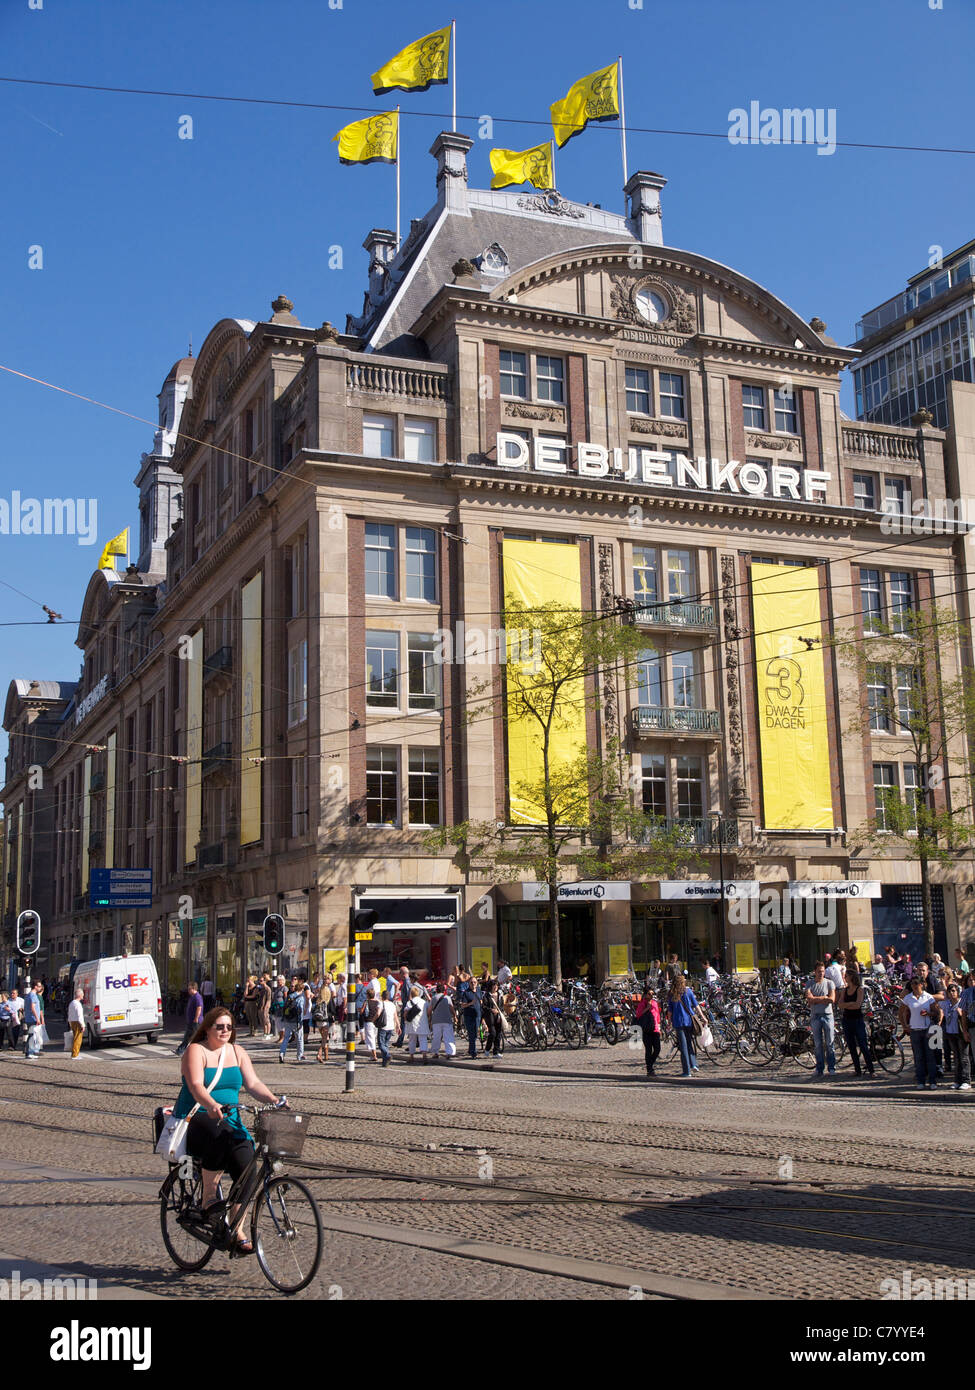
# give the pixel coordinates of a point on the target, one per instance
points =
(286, 1231)
(886, 1050)
(757, 1048)
(725, 1043)
(176, 1198)
(571, 1031)
(669, 1049)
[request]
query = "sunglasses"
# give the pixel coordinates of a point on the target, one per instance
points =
(223, 1027)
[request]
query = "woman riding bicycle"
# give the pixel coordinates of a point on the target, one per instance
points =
(220, 1142)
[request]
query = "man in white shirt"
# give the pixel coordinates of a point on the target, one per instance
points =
(710, 974)
(386, 1026)
(76, 1018)
(504, 975)
(920, 1012)
(836, 971)
(16, 1005)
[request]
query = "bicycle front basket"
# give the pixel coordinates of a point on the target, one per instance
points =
(282, 1132)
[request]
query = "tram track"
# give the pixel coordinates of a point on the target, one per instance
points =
(815, 1196)
(800, 1147)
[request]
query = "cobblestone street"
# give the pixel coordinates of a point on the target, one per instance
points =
(552, 1176)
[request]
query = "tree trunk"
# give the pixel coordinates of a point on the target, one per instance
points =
(927, 912)
(553, 897)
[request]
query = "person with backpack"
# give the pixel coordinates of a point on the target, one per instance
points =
(291, 1017)
(416, 1027)
(647, 1019)
(386, 1025)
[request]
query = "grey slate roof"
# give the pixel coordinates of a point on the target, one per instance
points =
(508, 218)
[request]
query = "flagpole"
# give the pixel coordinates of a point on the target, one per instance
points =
(626, 175)
(453, 41)
(555, 182)
(397, 177)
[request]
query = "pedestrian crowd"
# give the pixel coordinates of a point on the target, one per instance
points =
(936, 1011)
(391, 1008)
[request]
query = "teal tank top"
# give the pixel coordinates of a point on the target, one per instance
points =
(226, 1092)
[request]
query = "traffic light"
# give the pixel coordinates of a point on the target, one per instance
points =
(274, 933)
(364, 921)
(28, 933)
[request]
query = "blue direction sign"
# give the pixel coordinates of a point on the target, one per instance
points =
(120, 888)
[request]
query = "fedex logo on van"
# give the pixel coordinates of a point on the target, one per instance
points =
(126, 981)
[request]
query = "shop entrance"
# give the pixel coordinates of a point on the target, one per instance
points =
(577, 934)
(426, 954)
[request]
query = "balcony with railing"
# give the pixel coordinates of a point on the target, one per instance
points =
(675, 613)
(211, 856)
(97, 782)
(216, 759)
(218, 661)
(662, 719)
(701, 832)
(862, 441)
(375, 378)
(96, 841)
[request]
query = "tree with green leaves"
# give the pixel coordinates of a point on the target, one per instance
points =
(578, 807)
(899, 664)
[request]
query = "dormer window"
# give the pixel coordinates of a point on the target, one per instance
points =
(493, 260)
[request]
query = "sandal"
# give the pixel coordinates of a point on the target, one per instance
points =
(243, 1246)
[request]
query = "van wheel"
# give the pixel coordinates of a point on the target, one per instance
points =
(92, 1040)
(150, 1037)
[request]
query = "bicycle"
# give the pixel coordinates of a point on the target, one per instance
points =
(286, 1225)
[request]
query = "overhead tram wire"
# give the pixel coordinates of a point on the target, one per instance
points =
(440, 115)
(401, 718)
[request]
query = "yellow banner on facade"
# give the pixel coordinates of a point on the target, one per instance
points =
(536, 573)
(791, 699)
(110, 761)
(194, 746)
(85, 828)
(250, 711)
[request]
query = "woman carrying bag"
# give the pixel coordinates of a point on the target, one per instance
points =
(647, 1019)
(684, 1009)
(215, 1070)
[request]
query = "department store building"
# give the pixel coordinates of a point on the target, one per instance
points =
(259, 720)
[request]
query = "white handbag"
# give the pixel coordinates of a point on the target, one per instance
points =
(172, 1140)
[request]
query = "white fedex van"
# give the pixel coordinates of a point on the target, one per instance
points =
(122, 998)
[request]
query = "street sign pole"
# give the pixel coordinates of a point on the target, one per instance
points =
(350, 1015)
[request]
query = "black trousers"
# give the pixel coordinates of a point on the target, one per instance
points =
(855, 1033)
(957, 1050)
(492, 1028)
(651, 1047)
(218, 1147)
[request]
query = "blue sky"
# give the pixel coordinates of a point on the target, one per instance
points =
(148, 240)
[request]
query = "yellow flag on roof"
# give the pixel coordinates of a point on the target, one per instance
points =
(419, 66)
(532, 166)
(118, 545)
(374, 140)
(592, 98)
